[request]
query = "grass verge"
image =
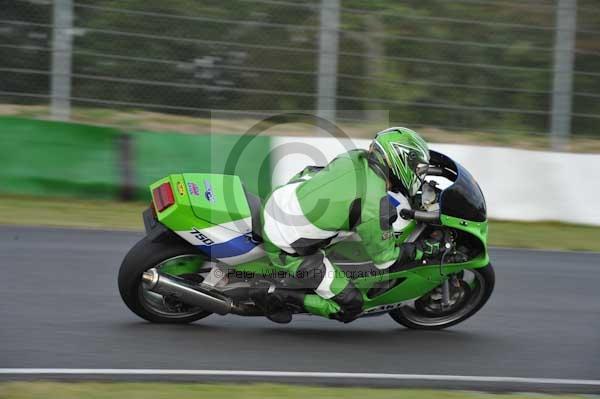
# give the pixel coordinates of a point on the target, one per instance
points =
(50, 390)
(544, 235)
(111, 215)
(149, 121)
(69, 212)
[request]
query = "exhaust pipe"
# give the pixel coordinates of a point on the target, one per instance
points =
(187, 293)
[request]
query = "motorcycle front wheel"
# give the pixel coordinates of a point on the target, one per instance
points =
(469, 291)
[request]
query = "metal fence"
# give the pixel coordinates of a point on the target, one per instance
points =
(499, 66)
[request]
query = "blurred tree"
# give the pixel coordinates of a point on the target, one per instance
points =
(427, 61)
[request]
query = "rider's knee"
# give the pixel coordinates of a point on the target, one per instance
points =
(311, 271)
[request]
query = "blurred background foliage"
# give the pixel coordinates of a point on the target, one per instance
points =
(456, 65)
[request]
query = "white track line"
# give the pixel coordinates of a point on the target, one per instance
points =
(297, 374)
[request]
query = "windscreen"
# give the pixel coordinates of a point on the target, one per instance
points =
(463, 199)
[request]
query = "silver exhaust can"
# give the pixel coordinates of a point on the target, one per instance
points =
(190, 294)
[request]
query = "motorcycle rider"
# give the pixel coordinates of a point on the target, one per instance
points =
(320, 205)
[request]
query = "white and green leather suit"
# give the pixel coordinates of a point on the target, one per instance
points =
(314, 208)
(348, 196)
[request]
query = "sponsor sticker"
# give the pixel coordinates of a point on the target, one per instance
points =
(193, 189)
(201, 237)
(180, 188)
(208, 192)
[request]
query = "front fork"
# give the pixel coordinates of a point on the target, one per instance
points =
(446, 293)
(449, 246)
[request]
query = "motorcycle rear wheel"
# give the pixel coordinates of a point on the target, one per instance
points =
(471, 296)
(148, 305)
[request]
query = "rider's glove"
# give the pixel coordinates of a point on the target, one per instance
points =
(428, 248)
(422, 249)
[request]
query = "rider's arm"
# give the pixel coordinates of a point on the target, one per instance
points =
(375, 231)
(305, 174)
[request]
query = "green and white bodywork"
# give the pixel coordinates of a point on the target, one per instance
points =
(212, 212)
(216, 215)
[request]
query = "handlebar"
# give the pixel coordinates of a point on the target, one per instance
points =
(435, 171)
(420, 216)
(443, 172)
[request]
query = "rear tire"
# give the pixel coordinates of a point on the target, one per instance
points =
(417, 319)
(143, 256)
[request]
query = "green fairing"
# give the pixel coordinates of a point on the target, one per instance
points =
(180, 216)
(195, 211)
(261, 266)
(478, 229)
(228, 201)
(418, 281)
(178, 267)
(425, 278)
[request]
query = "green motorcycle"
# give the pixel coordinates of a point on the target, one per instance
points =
(203, 251)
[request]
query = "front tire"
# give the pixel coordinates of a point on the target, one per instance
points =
(474, 296)
(146, 255)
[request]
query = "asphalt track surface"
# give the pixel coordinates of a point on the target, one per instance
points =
(60, 308)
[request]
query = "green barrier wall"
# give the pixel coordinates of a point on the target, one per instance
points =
(160, 154)
(53, 158)
(65, 159)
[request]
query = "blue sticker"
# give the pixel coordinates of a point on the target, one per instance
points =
(208, 193)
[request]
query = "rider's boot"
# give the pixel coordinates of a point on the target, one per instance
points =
(277, 303)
